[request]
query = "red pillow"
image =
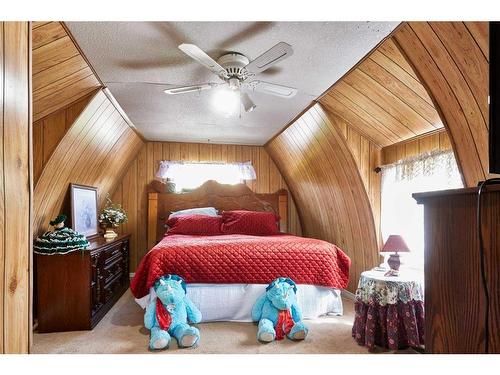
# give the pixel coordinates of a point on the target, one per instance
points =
(250, 222)
(200, 225)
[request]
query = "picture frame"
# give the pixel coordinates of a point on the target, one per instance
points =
(84, 210)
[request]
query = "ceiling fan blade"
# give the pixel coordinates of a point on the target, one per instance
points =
(273, 89)
(187, 89)
(272, 56)
(197, 54)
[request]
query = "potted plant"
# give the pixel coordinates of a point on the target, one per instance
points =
(111, 217)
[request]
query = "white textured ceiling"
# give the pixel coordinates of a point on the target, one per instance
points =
(124, 53)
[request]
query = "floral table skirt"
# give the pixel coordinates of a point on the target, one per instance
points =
(393, 326)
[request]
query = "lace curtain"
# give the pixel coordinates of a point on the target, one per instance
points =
(400, 214)
(192, 175)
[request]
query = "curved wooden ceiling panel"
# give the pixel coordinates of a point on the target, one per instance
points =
(95, 151)
(451, 59)
(315, 160)
(48, 132)
(61, 74)
(383, 98)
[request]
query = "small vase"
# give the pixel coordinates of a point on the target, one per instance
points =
(110, 234)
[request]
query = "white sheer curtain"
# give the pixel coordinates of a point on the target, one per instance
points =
(400, 212)
(192, 175)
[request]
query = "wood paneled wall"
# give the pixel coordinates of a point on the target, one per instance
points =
(15, 187)
(131, 193)
(314, 157)
(95, 151)
(436, 141)
(48, 132)
(451, 59)
(367, 156)
(61, 75)
(383, 99)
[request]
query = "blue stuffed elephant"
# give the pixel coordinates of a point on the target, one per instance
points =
(278, 313)
(169, 313)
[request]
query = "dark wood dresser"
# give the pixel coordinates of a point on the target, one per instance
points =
(76, 290)
(454, 298)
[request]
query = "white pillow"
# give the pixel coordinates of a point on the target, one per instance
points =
(209, 211)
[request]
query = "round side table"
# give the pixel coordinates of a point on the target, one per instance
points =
(389, 311)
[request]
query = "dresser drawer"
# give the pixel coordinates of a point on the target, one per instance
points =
(113, 286)
(117, 266)
(112, 253)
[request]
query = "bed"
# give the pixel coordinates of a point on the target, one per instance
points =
(226, 273)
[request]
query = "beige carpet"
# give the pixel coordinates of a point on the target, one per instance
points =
(122, 331)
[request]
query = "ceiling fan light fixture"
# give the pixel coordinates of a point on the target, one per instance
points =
(235, 69)
(234, 83)
(226, 101)
(248, 104)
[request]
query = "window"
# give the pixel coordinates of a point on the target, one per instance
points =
(191, 175)
(400, 212)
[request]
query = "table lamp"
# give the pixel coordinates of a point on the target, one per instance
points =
(394, 244)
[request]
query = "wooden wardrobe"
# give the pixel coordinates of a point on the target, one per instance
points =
(454, 299)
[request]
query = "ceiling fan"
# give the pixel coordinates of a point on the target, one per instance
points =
(237, 73)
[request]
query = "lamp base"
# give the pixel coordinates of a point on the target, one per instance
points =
(394, 262)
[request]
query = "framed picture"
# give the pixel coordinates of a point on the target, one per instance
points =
(84, 210)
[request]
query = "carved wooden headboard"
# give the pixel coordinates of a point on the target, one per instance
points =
(212, 194)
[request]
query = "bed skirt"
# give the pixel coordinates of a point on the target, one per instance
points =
(233, 302)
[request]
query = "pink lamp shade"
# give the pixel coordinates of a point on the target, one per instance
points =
(395, 243)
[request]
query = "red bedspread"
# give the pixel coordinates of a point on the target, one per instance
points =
(235, 259)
